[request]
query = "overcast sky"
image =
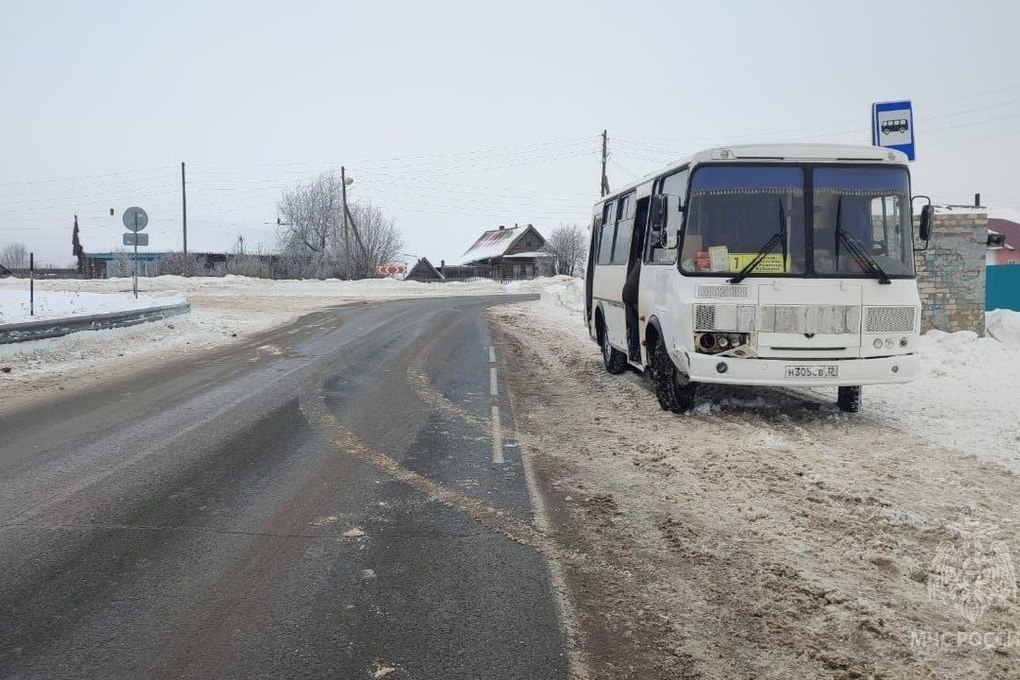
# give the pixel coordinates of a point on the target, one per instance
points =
(455, 117)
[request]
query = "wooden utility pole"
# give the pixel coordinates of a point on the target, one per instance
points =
(605, 155)
(347, 237)
(184, 219)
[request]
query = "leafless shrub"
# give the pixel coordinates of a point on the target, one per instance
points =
(14, 255)
(255, 266)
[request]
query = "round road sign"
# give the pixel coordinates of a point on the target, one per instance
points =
(135, 219)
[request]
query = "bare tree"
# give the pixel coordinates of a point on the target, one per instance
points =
(14, 255)
(311, 218)
(567, 245)
(381, 241)
(314, 241)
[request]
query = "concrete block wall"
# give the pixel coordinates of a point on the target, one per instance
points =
(951, 273)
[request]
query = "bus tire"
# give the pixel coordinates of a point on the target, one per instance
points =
(671, 394)
(613, 359)
(849, 399)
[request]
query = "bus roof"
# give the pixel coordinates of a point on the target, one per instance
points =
(777, 152)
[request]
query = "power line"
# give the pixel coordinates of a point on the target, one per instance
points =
(72, 179)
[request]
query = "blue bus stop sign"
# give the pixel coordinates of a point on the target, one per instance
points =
(892, 126)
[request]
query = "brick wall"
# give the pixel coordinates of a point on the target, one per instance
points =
(951, 273)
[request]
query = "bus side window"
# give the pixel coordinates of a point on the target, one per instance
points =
(605, 253)
(624, 230)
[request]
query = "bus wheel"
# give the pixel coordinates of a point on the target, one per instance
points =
(613, 359)
(849, 399)
(671, 394)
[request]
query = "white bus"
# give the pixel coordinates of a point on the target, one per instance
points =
(781, 265)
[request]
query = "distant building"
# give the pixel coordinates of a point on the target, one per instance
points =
(507, 253)
(424, 272)
(118, 264)
(1005, 225)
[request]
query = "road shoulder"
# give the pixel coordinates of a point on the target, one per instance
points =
(745, 539)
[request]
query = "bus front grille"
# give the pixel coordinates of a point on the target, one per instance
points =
(889, 319)
(704, 317)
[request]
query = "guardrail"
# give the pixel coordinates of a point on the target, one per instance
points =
(53, 328)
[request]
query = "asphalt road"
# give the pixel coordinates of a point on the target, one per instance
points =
(320, 502)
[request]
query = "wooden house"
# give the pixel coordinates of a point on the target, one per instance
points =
(508, 253)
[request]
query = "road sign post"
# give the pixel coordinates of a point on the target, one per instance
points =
(136, 239)
(892, 126)
(135, 219)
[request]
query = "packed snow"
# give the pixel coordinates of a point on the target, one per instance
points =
(765, 533)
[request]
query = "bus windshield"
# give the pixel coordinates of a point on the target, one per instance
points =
(739, 215)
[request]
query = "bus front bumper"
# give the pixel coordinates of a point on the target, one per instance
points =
(708, 368)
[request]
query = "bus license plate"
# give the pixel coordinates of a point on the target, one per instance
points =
(825, 371)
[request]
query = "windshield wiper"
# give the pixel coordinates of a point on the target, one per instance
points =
(857, 248)
(779, 236)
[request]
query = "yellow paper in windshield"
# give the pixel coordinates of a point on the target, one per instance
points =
(772, 263)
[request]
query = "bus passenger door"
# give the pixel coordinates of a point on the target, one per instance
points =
(632, 283)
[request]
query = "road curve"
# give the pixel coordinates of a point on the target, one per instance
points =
(330, 499)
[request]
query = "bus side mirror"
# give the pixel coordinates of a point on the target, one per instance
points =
(927, 218)
(925, 222)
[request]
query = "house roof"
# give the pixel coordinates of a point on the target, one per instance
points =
(999, 222)
(495, 243)
(492, 243)
(526, 256)
(423, 266)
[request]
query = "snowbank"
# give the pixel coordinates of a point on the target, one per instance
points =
(1004, 326)
(51, 304)
(966, 394)
(241, 285)
(564, 291)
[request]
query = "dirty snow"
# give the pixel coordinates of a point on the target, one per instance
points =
(767, 534)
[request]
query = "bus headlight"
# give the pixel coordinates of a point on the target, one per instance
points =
(713, 343)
